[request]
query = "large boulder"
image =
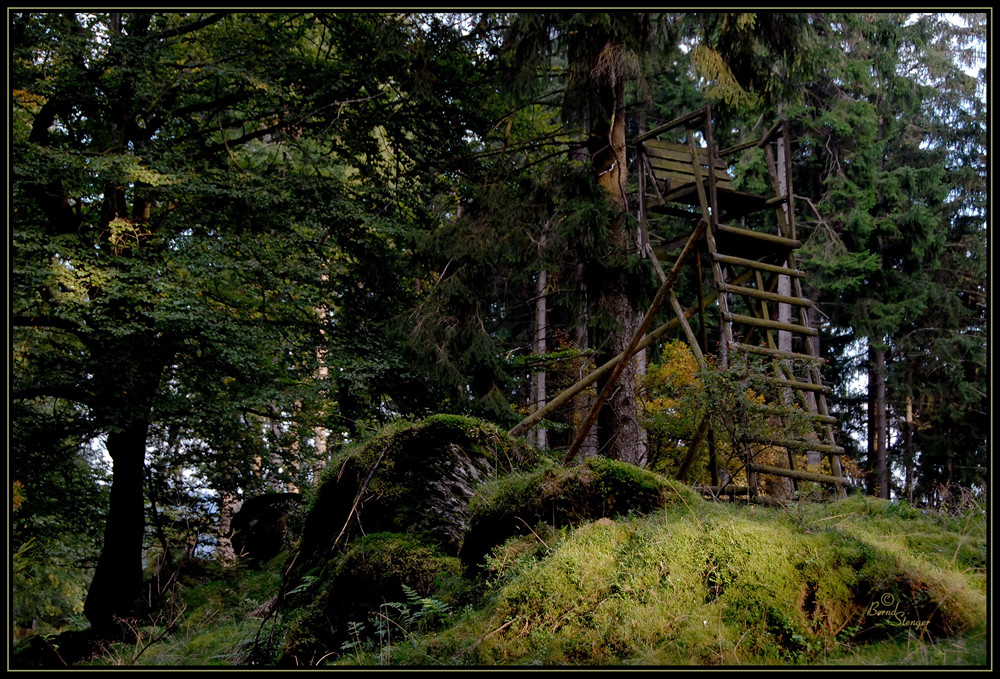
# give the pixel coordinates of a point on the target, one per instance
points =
(595, 489)
(416, 478)
(389, 517)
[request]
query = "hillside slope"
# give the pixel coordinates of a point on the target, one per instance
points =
(445, 543)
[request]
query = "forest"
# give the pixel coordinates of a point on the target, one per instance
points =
(387, 273)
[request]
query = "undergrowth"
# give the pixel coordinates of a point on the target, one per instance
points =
(214, 622)
(861, 581)
(856, 582)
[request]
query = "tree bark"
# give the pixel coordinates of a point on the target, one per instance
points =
(132, 368)
(117, 581)
(878, 438)
(619, 432)
(539, 348)
(224, 551)
(909, 452)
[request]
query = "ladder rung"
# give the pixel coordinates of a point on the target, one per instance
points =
(799, 445)
(813, 417)
(800, 386)
(773, 325)
(753, 264)
(764, 294)
(793, 474)
(769, 237)
(767, 351)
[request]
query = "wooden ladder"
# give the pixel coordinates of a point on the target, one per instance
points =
(758, 291)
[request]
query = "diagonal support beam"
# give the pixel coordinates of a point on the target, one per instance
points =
(647, 320)
(564, 396)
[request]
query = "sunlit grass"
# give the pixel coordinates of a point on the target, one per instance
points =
(859, 582)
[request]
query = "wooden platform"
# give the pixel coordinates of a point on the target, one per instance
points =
(755, 283)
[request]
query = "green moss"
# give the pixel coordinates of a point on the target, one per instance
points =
(725, 584)
(410, 477)
(372, 572)
(381, 562)
(408, 488)
(557, 496)
(607, 564)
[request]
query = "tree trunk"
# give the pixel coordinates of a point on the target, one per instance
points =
(618, 431)
(584, 401)
(117, 581)
(908, 448)
(618, 425)
(784, 282)
(133, 367)
(224, 552)
(878, 422)
(539, 348)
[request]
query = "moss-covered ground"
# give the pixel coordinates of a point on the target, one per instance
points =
(855, 582)
(601, 564)
(860, 581)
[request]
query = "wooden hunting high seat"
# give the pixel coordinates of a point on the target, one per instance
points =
(675, 179)
(756, 284)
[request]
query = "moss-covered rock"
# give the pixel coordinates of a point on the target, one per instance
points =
(411, 477)
(368, 580)
(390, 512)
(559, 496)
(726, 584)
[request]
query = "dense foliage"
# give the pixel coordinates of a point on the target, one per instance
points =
(243, 241)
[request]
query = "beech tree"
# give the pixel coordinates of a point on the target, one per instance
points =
(190, 191)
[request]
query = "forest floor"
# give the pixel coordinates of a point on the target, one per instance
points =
(855, 582)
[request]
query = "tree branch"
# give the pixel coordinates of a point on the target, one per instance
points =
(189, 27)
(68, 392)
(46, 321)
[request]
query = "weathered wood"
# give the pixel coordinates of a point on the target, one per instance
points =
(637, 336)
(801, 386)
(674, 163)
(769, 135)
(794, 474)
(678, 173)
(765, 323)
(800, 414)
(796, 444)
(765, 295)
(659, 206)
(738, 147)
(790, 243)
(567, 394)
(678, 184)
(559, 400)
(698, 176)
(666, 127)
(667, 150)
(777, 353)
(754, 264)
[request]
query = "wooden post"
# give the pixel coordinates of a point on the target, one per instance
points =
(647, 320)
